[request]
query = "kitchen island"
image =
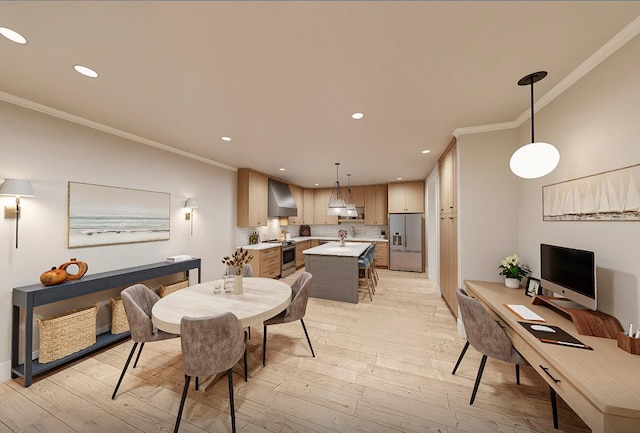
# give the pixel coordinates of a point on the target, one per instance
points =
(335, 270)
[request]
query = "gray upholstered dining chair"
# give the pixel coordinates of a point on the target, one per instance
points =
(300, 290)
(489, 338)
(138, 300)
(211, 345)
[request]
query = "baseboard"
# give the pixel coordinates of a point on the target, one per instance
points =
(5, 371)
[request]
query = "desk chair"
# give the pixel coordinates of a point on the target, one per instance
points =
(211, 345)
(138, 300)
(300, 290)
(490, 339)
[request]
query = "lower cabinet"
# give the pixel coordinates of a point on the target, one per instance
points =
(382, 255)
(300, 247)
(266, 263)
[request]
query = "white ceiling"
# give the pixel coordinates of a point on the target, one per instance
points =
(283, 78)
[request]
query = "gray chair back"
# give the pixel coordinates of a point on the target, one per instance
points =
(211, 344)
(300, 290)
(484, 333)
(247, 271)
(138, 300)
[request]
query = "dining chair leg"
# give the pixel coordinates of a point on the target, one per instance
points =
(233, 410)
(518, 374)
(135, 364)
(249, 332)
(197, 385)
(464, 350)
(554, 407)
(187, 379)
(124, 370)
(480, 370)
(264, 345)
(308, 340)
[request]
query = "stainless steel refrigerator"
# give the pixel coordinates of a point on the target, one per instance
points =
(405, 242)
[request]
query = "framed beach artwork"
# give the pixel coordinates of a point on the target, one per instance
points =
(609, 196)
(107, 215)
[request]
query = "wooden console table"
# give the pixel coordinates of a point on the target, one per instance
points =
(29, 297)
(600, 385)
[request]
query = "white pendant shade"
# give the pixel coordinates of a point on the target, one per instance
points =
(534, 160)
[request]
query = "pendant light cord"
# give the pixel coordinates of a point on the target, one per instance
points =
(532, 128)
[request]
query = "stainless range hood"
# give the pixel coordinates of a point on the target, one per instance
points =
(281, 202)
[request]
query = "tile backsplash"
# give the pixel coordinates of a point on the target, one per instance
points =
(272, 231)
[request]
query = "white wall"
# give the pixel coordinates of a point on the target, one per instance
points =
(596, 126)
(50, 152)
(487, 204)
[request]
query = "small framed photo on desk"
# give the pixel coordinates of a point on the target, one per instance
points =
(533, 287)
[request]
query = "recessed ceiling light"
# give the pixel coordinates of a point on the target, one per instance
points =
(316, 184)
(225, 138)
(426, 151)
(398, 178)
(282, 169)
(88, 72)
(357, 116)
(12, 35)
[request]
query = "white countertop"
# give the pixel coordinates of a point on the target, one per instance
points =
(267, 245)
(350, 249)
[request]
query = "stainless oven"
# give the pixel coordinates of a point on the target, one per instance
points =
(288, 261)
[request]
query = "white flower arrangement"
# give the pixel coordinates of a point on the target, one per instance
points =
(510, 268)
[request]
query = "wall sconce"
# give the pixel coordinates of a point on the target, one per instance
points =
(190, 204)
(15, 188)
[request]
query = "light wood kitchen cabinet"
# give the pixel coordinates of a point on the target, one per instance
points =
(252, 201)
(448, 181)
(298, 197)
(448, 227)
(266, 262)
(300, 247)
(375, 205)
(357, 193)
(382, 254)
(449, 261)
(307, 216)
(314, 243)
(406, 197)
(320, 204)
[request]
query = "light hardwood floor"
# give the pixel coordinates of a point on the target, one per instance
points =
(381, 366)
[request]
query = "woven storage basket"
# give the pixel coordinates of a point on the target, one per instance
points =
(170, 288)
(119, 322)
(67, 333)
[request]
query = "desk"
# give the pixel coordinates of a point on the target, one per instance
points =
(602, 386)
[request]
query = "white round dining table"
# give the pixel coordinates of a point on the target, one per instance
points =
(262, 298)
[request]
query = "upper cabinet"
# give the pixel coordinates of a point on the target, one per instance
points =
(406, 197)
(298, 196)
(252, 198)
(375, 205)
(304, 203)
(448, 181)
(357, 193)
(320, 204)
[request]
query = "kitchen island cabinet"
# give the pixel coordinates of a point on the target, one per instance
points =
(335, 270)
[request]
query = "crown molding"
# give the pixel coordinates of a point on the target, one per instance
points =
(25, 103)
(613, 45)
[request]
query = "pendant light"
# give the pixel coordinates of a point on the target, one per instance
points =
(349, 204)
(534, 160)
(336, 203)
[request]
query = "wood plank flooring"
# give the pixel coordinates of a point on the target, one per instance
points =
(381, 366)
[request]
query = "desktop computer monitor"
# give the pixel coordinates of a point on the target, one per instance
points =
(571, 273)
